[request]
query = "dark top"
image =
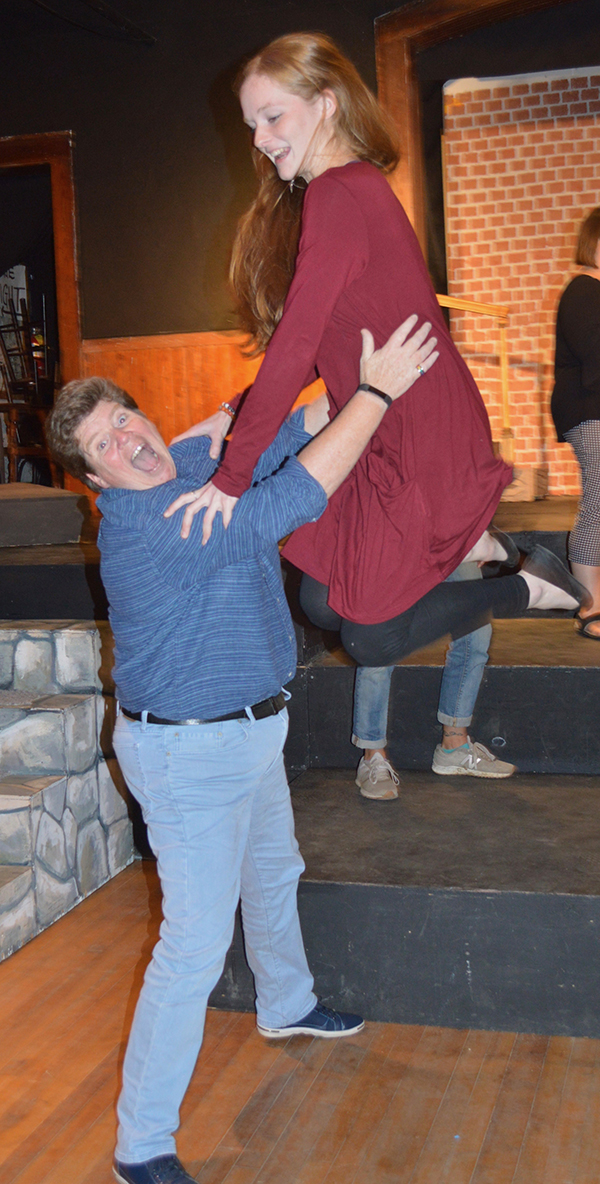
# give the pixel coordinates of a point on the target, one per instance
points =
(576, 394)
(428, 483)
(202, 631)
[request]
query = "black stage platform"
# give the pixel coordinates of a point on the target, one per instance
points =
(538, 705)
(60, 582)
(465, 903)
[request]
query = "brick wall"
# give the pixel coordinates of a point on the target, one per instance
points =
(522, 168)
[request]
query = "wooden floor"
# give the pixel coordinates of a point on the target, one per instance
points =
(395, 1104)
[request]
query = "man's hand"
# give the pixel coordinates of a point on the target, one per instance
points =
(211, 498)
(216, 427)
(396, 366)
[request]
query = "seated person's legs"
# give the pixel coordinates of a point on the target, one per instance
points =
(463, 671)
(375, 776)
(458, 607)
(465, 662)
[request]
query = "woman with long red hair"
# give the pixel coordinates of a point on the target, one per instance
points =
(325, 251)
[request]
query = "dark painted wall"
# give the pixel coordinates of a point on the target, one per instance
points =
(162, 167)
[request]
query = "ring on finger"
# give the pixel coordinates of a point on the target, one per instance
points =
(420, 370)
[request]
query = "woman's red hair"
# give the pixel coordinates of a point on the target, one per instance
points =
(266, 243)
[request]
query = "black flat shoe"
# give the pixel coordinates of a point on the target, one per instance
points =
(547, 566)
(513, 555)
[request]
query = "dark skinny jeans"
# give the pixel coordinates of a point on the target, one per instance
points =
(454, 608)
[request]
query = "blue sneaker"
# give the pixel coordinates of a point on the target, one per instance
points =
(321, 1021)
(165, 1169)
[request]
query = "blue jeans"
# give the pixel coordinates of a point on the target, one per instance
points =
(216, 802)
(463, 671)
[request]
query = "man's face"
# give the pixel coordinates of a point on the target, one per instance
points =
(125, 450)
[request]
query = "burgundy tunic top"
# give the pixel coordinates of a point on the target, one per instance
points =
(428, 483)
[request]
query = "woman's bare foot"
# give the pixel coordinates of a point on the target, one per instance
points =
(588, 628)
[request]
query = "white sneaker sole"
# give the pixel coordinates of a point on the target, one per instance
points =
(390, 792)
(284, 1033)
(443, 771)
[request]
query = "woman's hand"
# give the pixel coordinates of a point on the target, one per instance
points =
(211, 498)
(216, 426)
(401, 361)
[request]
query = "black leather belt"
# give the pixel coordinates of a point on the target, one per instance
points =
(260, 710)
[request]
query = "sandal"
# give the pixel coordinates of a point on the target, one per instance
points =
(581, 624)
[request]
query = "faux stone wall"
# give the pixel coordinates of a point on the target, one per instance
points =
(64, 825)
(45, 658)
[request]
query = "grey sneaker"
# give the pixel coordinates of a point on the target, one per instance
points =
(471, 760)
(377, 778)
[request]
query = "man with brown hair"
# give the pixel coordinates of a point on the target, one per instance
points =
(204, 644)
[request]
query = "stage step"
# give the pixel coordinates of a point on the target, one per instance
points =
(546, 522)
(58, 582)
(64, 821)
(537, 707)
(549, 514)
(464, 903)
(33, 515)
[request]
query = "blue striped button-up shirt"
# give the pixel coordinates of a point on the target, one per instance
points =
(202, 631)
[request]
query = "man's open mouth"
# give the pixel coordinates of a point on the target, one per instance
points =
(144, 458)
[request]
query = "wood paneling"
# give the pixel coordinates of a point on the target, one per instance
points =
(177, 379)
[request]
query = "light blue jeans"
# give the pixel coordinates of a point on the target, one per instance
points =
(463, 672)
(216, 802)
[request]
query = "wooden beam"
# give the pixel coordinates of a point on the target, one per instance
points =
(400, 96)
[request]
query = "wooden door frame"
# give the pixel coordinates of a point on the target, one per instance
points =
(56, 149)
(399, 36)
